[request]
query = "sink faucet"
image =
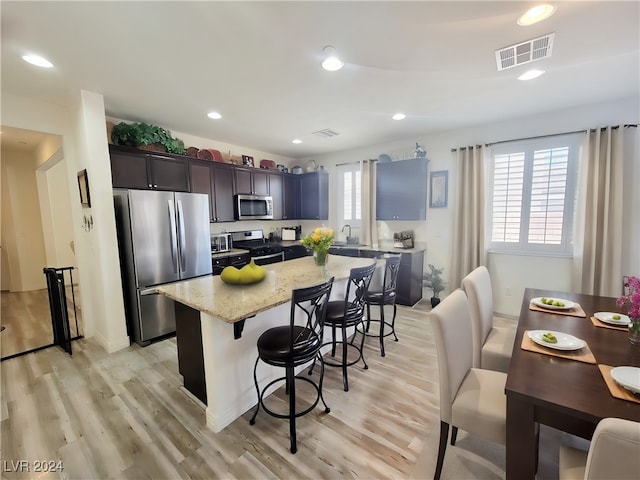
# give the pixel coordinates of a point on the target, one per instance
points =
(349, 234)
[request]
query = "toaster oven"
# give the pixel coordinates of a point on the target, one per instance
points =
(220, 242)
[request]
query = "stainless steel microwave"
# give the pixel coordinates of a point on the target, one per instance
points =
(253, 207)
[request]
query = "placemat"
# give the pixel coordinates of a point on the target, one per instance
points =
(575, 311)
(615, 389)
(582, 355)
(598, 323)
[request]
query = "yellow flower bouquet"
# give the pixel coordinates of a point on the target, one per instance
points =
(319, 241)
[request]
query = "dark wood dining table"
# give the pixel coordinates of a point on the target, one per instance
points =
(565, 394)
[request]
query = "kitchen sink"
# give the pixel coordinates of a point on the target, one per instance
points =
(351, 242)
(346, 245)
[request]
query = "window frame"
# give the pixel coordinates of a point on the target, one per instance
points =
(523, 246)
(341, 170)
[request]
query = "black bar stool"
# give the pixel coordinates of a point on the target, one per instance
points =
(385, 296)
(292, 345)
(349, 313)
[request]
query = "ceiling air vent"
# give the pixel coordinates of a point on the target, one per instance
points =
(525, 52)
(326, 133)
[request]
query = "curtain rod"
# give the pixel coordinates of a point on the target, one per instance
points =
(546, 136)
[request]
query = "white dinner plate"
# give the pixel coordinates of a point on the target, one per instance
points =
(565, 341)
(628, 377)
(567, 303)
(607, 317)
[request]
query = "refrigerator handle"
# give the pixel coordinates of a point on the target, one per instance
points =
(182, 237)
(174, 244)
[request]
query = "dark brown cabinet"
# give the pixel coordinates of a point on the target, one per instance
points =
(132, 168)
(216, 181)
(290, 194)
(251, 181)
(276, 189)
(223, 192)
(304, 197)
(236, 260)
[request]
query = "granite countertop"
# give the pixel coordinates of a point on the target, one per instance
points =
(232, 303)
(385, 247)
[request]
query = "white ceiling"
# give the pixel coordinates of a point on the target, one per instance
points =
(258, 63)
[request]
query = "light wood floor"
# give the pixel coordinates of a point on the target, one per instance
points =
(27, 320)
(125, 415)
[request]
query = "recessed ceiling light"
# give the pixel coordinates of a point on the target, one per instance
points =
(530, 74)
(331, 61)
(37, 60)
(214, 115)
(296, 141)
(399, 116)
(536, 14)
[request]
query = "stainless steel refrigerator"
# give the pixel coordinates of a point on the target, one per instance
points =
(163, 237)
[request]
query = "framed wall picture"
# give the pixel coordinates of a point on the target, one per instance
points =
(247, 161)
(83, 186)
(439, 189)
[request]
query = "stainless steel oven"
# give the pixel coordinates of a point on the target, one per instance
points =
(253, 207)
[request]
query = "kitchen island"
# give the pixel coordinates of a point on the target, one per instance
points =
(215, 355)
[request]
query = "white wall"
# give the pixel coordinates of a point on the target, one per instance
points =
(60, 211)
(21, 221)
(437, 230)
(69, 122)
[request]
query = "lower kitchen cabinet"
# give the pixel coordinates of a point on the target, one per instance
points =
(236, 260)
(409, 283)
(409, 287)
(292, 252)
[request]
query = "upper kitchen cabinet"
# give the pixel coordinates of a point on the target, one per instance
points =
(282, 188)
(217, 181)
(223, 192)
(290, 194)
(314, 196)
(252, 181)
(132, 168)
(276, 187)
(401, 190)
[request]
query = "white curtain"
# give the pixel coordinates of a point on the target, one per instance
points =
(369, 227)
(469, 213)
(600, 224)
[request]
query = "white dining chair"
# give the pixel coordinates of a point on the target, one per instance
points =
(614, 453)
(492, 344)
(472, 399)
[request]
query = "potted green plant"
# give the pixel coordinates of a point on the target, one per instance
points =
(434, 281)
(147, 137)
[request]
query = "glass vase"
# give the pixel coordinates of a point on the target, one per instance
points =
(634, 331)
(320, 257)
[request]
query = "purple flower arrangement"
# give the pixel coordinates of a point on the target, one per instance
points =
(632, 300)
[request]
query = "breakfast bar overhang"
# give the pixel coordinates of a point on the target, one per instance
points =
(216, 357)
